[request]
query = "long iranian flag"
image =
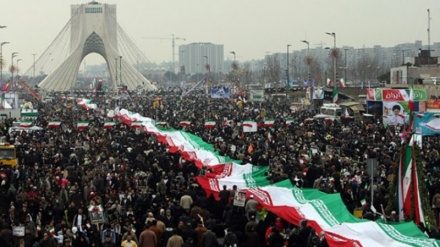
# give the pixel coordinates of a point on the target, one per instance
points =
(82, 125)
(87, 104)
(129, 117)
(136, 124)
(191, 147)
(327, 212)
(161, 123)
(404, 183)
(243, 176)
(54, 124)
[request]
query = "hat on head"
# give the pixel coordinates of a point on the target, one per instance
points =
(74, 230)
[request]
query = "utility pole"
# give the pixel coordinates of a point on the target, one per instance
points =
(335, 73)
(120, 69)
(33, 66)
(429, 37)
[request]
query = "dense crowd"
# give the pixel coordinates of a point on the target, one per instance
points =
(68, 178)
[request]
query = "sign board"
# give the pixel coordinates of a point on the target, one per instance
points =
(239, 199)
(96, 216)
(18, 231)
(257, 95)
(384, 94)
(220, 92)
(427, 123)
(433, 104)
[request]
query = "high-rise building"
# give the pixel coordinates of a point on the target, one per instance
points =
(195, 56)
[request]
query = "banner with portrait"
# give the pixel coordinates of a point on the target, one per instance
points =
(96, 214)
(239, 199)
(220, 92)
(395, 113)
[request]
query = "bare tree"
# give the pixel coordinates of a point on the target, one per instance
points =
(273, 68)
(246, 73)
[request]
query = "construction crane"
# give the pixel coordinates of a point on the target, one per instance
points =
(173, 46)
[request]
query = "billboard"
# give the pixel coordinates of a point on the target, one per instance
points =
(385, 94)
(256, 95)
(318, 93)
(220, 92)
(427, 123)
(433, 104)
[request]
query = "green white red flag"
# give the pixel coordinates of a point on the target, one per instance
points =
(249, 126)
(269, 122)
(54, 124)
(25, 124)
(82, 125)
(209, 124)
(87, 104)
(328, 213)
(109, 124)
(185, 123)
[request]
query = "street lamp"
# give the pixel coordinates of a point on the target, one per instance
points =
(234, 66)
(233, 52)
(287, 70)
(16, 68)
(116, 71)
(33, 66)
(335, 75)
(120, 69)
(308, 54)
(345, 66)
(207, 73)
(1, 59)
(14, 54)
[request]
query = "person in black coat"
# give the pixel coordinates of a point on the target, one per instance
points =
(251, 238)
(275, 238)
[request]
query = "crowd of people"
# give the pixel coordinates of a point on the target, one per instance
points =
(119, 186)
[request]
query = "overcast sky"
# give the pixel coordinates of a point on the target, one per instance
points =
(251, 28)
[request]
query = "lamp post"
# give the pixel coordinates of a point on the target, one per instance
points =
(14, 54)
(33, 66)
(308, 54)
(233, 52)
(16, 67)
(120, 69)
(345, 65)
(207, 73)
(335, 75)
(287, 69)
(116, 71)
(1, 59)
(234, 66)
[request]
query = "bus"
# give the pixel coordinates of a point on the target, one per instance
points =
(8, 155)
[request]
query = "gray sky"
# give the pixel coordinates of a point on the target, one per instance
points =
(251, 28)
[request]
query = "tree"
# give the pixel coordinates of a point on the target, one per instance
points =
(246, 73)
(273, 68)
